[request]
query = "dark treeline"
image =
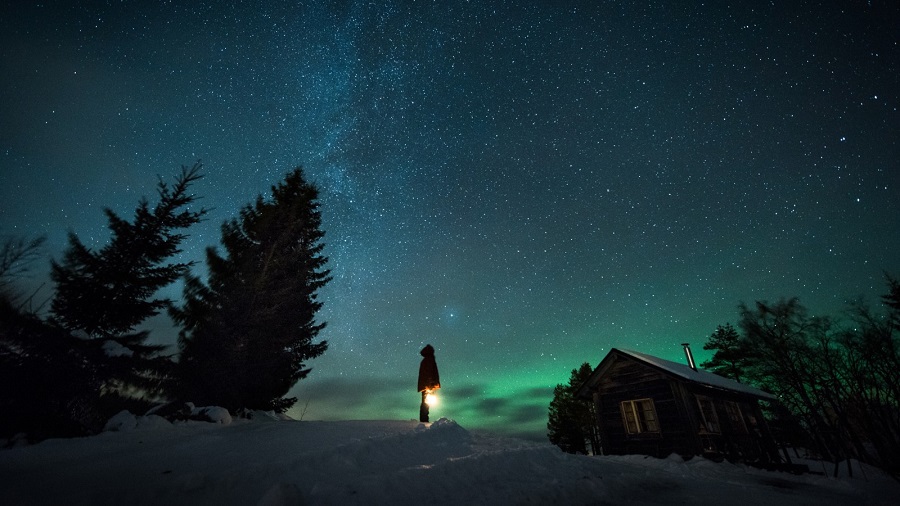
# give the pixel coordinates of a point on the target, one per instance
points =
(571, 424)
(245, 333)
(837, 380)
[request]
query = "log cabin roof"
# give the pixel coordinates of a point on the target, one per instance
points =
(680, 371)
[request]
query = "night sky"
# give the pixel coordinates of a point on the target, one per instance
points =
(524, 185)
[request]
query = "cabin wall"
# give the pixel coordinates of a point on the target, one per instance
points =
(742, 437)
(629, 380)
(689, 413)
(682, 430)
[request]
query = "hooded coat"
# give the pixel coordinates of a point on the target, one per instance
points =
(428, 371)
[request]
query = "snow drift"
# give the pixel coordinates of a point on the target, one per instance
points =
(267, 461)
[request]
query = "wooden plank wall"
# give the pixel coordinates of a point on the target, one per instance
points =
(678, 414)
(630, 380)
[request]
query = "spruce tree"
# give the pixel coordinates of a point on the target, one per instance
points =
(104, 295)
(571, 424)
(731, 356)
(249, 330)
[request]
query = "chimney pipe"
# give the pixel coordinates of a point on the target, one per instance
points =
(689, 355)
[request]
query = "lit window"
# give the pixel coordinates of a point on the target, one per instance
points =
(708, 412)
(639, 416)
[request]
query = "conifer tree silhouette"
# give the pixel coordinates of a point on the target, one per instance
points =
(104, 295)
(249, 329)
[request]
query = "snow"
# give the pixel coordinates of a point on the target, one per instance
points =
(125, 421)
(270, 461)
(213, 414)
(114, 349)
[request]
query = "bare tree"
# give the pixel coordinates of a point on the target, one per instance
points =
(839, 379)
(17, 253)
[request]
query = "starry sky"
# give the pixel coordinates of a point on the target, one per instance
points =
(523, 185)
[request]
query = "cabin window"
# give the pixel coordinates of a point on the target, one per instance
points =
(735, 417)
(639, 416)
(708, 412)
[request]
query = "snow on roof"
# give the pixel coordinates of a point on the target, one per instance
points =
(698, 376)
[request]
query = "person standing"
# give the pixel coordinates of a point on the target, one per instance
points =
(429, 379)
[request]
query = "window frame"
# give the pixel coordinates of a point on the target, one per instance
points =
(713, 426)
(639, 416)
(736, 417)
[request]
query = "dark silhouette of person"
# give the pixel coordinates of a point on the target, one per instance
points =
(429, 379)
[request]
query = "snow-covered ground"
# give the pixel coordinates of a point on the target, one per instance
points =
(276, 462)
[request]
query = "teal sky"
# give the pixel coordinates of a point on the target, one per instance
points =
(523, 185)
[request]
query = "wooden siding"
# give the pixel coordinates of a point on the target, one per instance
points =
(628, 380)
(747, 440)
(678, 414)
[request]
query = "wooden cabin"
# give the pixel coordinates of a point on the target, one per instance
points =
(650, 406)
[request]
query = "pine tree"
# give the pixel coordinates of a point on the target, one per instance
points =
(730, 357)
(104, 295)
(248, 331)
(571, 424)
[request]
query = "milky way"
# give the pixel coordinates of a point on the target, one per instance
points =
(522, 186)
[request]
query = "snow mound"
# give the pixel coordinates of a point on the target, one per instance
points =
(121, 422)
(147, 460)
(125, 421)
(214, 414)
